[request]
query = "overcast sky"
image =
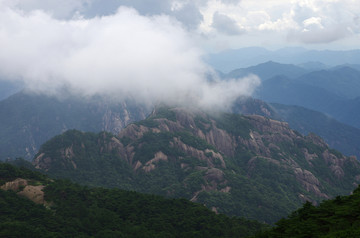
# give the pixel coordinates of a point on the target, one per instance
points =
(221, 24)
(153, 49)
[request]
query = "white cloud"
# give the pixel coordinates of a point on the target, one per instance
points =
(58, 9)
(259, 18)
(313, 22)
(291, 22)
(223, 23)
(150, 58)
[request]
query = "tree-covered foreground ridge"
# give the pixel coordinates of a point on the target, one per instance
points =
(339, 217)
(32, 205)
(247, 166)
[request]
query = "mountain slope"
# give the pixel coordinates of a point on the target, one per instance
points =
(248, 166)
(344, 82)
(340, 136)
(347, 111)
(337, 135)
(28, 120)
(70, 210)
(281, 89)
(324, 91)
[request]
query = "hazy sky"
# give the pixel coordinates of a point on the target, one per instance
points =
(152, 49)
(221, 24)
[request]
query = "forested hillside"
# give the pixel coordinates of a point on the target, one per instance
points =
(71, 210)
(249, 166)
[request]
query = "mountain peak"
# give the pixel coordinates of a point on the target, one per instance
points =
(206, 158)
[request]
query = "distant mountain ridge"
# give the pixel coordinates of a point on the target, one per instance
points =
(335, 92)
(228, 60)
(268, 70)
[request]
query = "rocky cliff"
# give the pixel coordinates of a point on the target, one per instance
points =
(240, 165)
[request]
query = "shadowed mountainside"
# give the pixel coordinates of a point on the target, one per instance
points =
(28, 120)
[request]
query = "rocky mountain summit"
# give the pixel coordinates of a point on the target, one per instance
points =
(248, 166)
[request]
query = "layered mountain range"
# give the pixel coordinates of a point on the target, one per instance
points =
(249, 166)
(335, 91)
(248, 162)
(28, 120)
(229, 60)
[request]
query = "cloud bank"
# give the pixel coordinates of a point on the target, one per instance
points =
(149, 58)
(236, 23)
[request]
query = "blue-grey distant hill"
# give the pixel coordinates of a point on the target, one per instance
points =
(353, 66)
(335, 92)
(281, 89)
(268, 70)
(343, 81)
(245, 57)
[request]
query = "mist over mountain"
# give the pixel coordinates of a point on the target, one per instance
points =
(250, 108)
(152, 59)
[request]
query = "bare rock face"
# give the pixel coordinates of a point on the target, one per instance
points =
(151, 164)
(42, 162)
(15, 185)
(133, 132)
(34, 193)
(19, 185)
(263, 140)
(222, 140)
(309, 182)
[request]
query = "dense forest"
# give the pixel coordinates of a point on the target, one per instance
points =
(72, 210)
(339, 217)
